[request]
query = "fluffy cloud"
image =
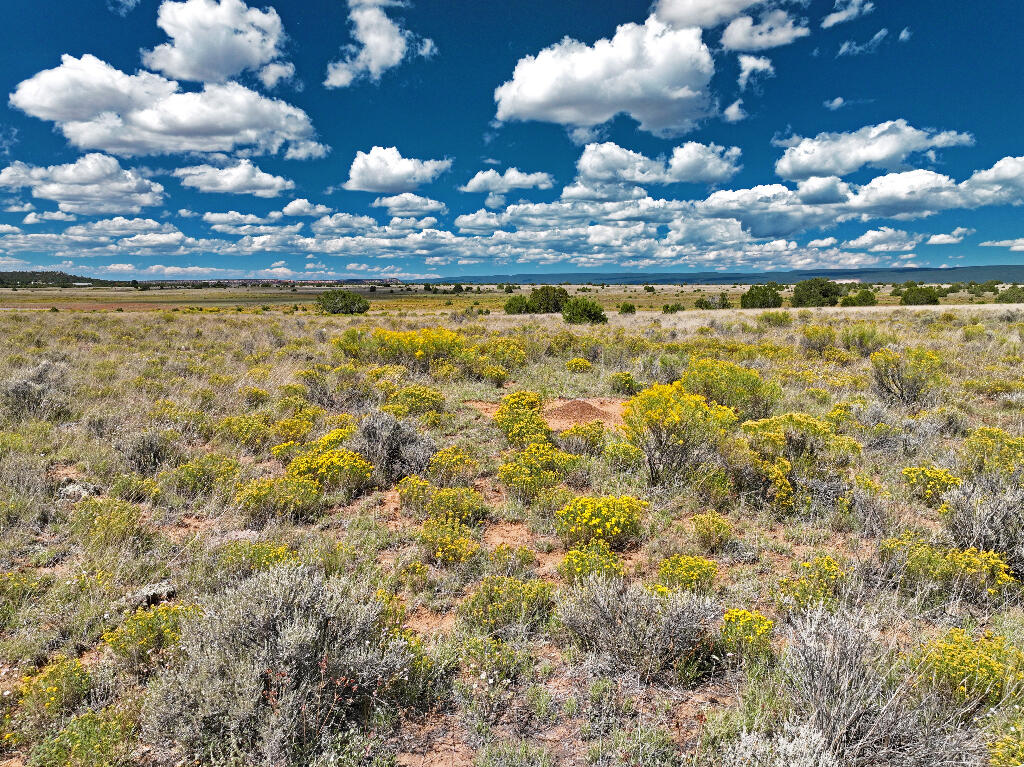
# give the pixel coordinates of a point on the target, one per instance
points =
(652, 72)
(384, 170)
(847, 10)
(835, 104)
(95, 183)
(211, 40)
(700, 13)
(775, 28)
(382, 44)
(241, 178)
(409, 204)
(953, 238)
(503, 183)
(303, 207)
(48, 215)
(734, 112)
(341, 223)
(119, 226)
(1014, 245)
(751, 66)
(692, 162)
(276, 72)
(99, 107)
(850, 48)
(885, 145)
(885, 240)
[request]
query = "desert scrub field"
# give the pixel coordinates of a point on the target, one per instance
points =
(443, 537)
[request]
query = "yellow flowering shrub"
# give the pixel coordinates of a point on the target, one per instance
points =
(254, 556)
(92, 739)
(459, 503)
(930, 483)
(145, 634)
(623, 455)
(519, 417)
(968, 669)
(501, 602)
(489, 669)
(254, 396)
(612, 519)
(672, 427)
(993, 451)
(249, 431)
(293, 498)
(747, 633)
(508, 352)
(538, 467)
(682, 572)
(979, 573)
(452, 466)
(414, 492)
(816, 584)
(623, 382)
(56, 688)
(578, 365)
(334, 469)
(1008, 749)
(416, 399)
(16, 588)
(583, 438)
(731, 385)
(201, 475)
(908, 377)
(101, 523)
(594, 558)
(711, 530)
(447, 541)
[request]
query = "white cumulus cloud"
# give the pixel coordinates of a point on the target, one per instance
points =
(886, 145)
(502, 183)
(95, 183)
(952, 238)
(97, 106)
(385, 170)
(241, 178)
(303, 207)
(410, 205)
(752, 66)
(381, 44)
(847, 10)
(212, 41)
(885, 239)
(701, 13)
(775, 28)
(656, 74)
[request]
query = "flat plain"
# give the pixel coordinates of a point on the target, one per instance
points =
(238, 531)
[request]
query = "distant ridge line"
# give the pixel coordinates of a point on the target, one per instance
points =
(1003, 272)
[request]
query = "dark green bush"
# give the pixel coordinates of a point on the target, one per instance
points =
(762, 297)
(817, 291)
(863, 297)
(580, 311)
(342, 302)
(919, 295)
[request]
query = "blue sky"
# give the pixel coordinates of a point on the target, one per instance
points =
(215, 138)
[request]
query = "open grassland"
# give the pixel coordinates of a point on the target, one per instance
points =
(239, 532)
(410, 298)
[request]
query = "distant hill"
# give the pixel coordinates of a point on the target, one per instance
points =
(50, 280)
(1004, 273)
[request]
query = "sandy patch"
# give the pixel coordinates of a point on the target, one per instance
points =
(562, 413)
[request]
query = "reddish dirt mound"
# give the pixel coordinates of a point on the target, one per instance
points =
(578, 411)
(563, 413)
